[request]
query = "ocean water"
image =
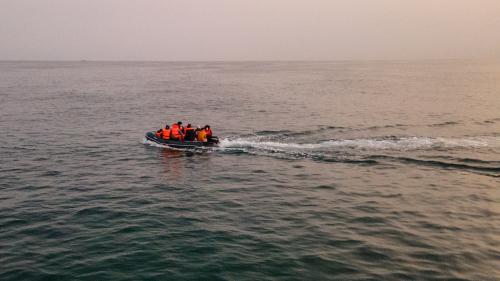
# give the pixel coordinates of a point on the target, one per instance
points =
(326, 171)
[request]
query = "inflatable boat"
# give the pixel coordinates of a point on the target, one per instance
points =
(182, 144)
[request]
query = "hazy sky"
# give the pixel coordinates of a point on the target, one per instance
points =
(248, 29)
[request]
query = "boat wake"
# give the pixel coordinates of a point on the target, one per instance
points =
(387, 143)
(376, 151)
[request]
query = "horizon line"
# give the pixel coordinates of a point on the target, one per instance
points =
(249, 60)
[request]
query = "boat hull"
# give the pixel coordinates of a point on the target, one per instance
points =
(181, 144)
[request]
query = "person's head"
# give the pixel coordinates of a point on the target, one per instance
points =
(189, 125)
(206, 127)
(167, 127)
(179, 123)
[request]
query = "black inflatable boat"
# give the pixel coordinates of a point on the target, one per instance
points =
(182, 144)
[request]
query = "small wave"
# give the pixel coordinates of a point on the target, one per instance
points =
(389, 143)
(384, 127)
(469, 160)
(448, 123)
(490, 171)
(272, 132)
(488, 121)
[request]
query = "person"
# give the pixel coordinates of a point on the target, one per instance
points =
(202, 135)
(208, 132)
(166, 132)
(163, 133)
(158, 133)
(183, 130)
(176, 131)
(189, 133)
(196, 132)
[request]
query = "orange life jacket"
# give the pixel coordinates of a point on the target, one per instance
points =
(159, 133)
(165, 133)
(202, 136)
(176, 132)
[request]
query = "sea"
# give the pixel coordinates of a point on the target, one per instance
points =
(335, 170)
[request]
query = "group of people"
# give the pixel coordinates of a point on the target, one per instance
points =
(178, 132)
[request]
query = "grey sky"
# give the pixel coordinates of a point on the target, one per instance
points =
(248, 29)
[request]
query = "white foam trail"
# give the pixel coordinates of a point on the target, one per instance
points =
(152, 143)
(407, 143)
